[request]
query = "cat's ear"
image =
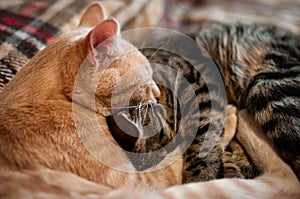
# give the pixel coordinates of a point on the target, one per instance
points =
(106, 31)
(93, 16)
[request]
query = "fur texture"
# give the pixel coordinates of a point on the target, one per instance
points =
(261, 69)
(268, 185)
(39, 139)
(43, 101)
(191, 126)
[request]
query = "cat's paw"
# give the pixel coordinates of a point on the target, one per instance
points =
(230, 110)
(230, 124)
(247, 128)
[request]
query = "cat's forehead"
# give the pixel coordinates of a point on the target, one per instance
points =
(115, 52)
(119, 53)
(132, 60)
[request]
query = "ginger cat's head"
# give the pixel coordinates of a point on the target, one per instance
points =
(113, 71)
(92, 66)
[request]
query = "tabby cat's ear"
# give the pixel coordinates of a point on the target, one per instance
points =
(102, 38)
(93, 16)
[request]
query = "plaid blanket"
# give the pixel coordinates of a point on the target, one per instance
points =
(282, 13)
(26, 26)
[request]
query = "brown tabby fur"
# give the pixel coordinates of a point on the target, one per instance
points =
(261, 69)
(188, 123)
(40, 150)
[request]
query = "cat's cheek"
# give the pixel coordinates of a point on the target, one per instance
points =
(145, 93)
(105, 89)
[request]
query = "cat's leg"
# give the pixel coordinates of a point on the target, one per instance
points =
(230, 125)
(230, 168)
(275, 171)
(236, 163)
(243, 166)
(277, 181)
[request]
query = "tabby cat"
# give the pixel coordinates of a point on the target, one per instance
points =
(192, 114)
(261, 69)
(39, 132)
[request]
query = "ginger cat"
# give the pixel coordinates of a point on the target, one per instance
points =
(49, 104)
(47, 127)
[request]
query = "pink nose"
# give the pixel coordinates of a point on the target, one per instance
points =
(155, 91)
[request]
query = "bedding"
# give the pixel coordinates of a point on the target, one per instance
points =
(26, 26)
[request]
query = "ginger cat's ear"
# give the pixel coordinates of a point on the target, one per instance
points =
(93, 16)
(101, 39)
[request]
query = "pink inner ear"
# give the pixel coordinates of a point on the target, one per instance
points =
(103, 31)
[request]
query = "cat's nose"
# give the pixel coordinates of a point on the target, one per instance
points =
(155, 90)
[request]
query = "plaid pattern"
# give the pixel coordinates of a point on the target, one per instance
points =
(27, 26)
(21, 38)
(25, 29)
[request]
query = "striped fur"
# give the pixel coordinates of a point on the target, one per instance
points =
(266, 160)
(261, 68)
(185, 117)
(277, 180)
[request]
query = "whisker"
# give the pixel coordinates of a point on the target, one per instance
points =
(152, 109)
(138, 107)
(165, 44)
(167, 107)
(145, 115)
(122, 107)
(175, 100)
(139, 115)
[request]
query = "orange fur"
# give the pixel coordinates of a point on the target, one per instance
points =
(39, 106)
(41, 150)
